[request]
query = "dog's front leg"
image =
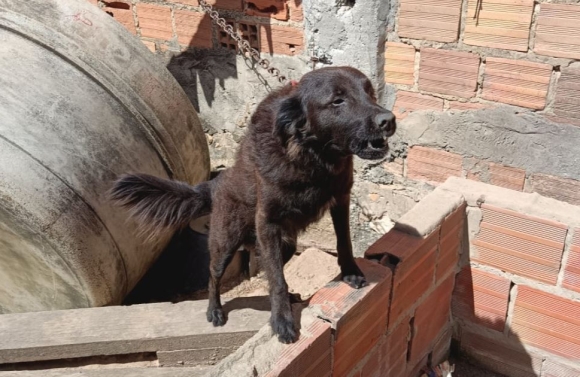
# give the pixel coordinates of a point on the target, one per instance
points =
(351, 274)
(270, 239)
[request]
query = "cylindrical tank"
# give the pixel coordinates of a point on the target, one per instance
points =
(81, 101)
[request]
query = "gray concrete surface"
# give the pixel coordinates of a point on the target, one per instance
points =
(348, 34)
(503, 135)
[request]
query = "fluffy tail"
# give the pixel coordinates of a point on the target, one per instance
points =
(159, 204)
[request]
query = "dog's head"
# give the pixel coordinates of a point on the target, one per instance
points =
(334, 110)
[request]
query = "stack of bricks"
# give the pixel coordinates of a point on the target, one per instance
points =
(270, 26)
(483, 265)
(516, 302)
(456, 55)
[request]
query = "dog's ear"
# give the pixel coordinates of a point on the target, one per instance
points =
(290, 119)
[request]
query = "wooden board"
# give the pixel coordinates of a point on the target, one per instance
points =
(113, 372)
(126, 330)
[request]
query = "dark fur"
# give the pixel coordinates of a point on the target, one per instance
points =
(294, 164)
(158, 204)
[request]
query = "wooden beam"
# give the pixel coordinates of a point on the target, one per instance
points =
(119, 330)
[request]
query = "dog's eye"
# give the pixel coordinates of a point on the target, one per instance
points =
(338, 101)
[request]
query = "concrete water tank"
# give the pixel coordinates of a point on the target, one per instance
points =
(81, 101)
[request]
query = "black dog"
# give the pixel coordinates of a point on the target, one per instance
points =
(294, 163)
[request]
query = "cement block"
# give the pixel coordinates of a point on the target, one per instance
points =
(476, 193)
(429, 213)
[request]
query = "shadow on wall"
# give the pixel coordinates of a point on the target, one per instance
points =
(482, 335)
(212, 54)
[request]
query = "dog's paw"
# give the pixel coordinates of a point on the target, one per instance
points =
(355, 281)
(284, 328)
(216, 316)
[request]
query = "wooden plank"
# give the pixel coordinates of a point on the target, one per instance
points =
(126, 329)
(112, 372)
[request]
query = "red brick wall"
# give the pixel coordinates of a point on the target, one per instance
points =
(515, 303)
(272, 26)
(466, 55)
(396, 325)
(504, 286)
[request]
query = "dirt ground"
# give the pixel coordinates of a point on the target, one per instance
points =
(305, 274)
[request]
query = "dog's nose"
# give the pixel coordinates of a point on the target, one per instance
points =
(386, 121)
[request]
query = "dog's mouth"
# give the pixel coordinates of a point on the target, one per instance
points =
(377, 143)
(372, 149)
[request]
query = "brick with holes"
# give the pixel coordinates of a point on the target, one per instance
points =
(432, 317)
(224, 39)
(283, 40)
(567, 103)
(155, 21)
(359, 316)
(558, 31)
(413, 260)
(310, 356)
(481, 297)
(450, 242)
(407, 102)
(563, 189)
(431, 20)
(448, 72)
(250, 32)
(501, 355)
(547, 321)
(433, 165)
(399, 63)
(516, 82)
(524, 245)
(499, 23)
(296, 11)
(123, 13)
(193, 29)
(394, 350)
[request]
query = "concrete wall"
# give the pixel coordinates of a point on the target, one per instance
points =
(483, 90)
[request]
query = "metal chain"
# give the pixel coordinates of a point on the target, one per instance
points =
(243, 44)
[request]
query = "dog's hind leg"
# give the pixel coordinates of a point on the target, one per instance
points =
(226, 236)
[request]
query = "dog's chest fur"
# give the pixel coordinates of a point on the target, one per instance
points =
(298, 194)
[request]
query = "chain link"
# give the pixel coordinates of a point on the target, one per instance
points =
(244, 46)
